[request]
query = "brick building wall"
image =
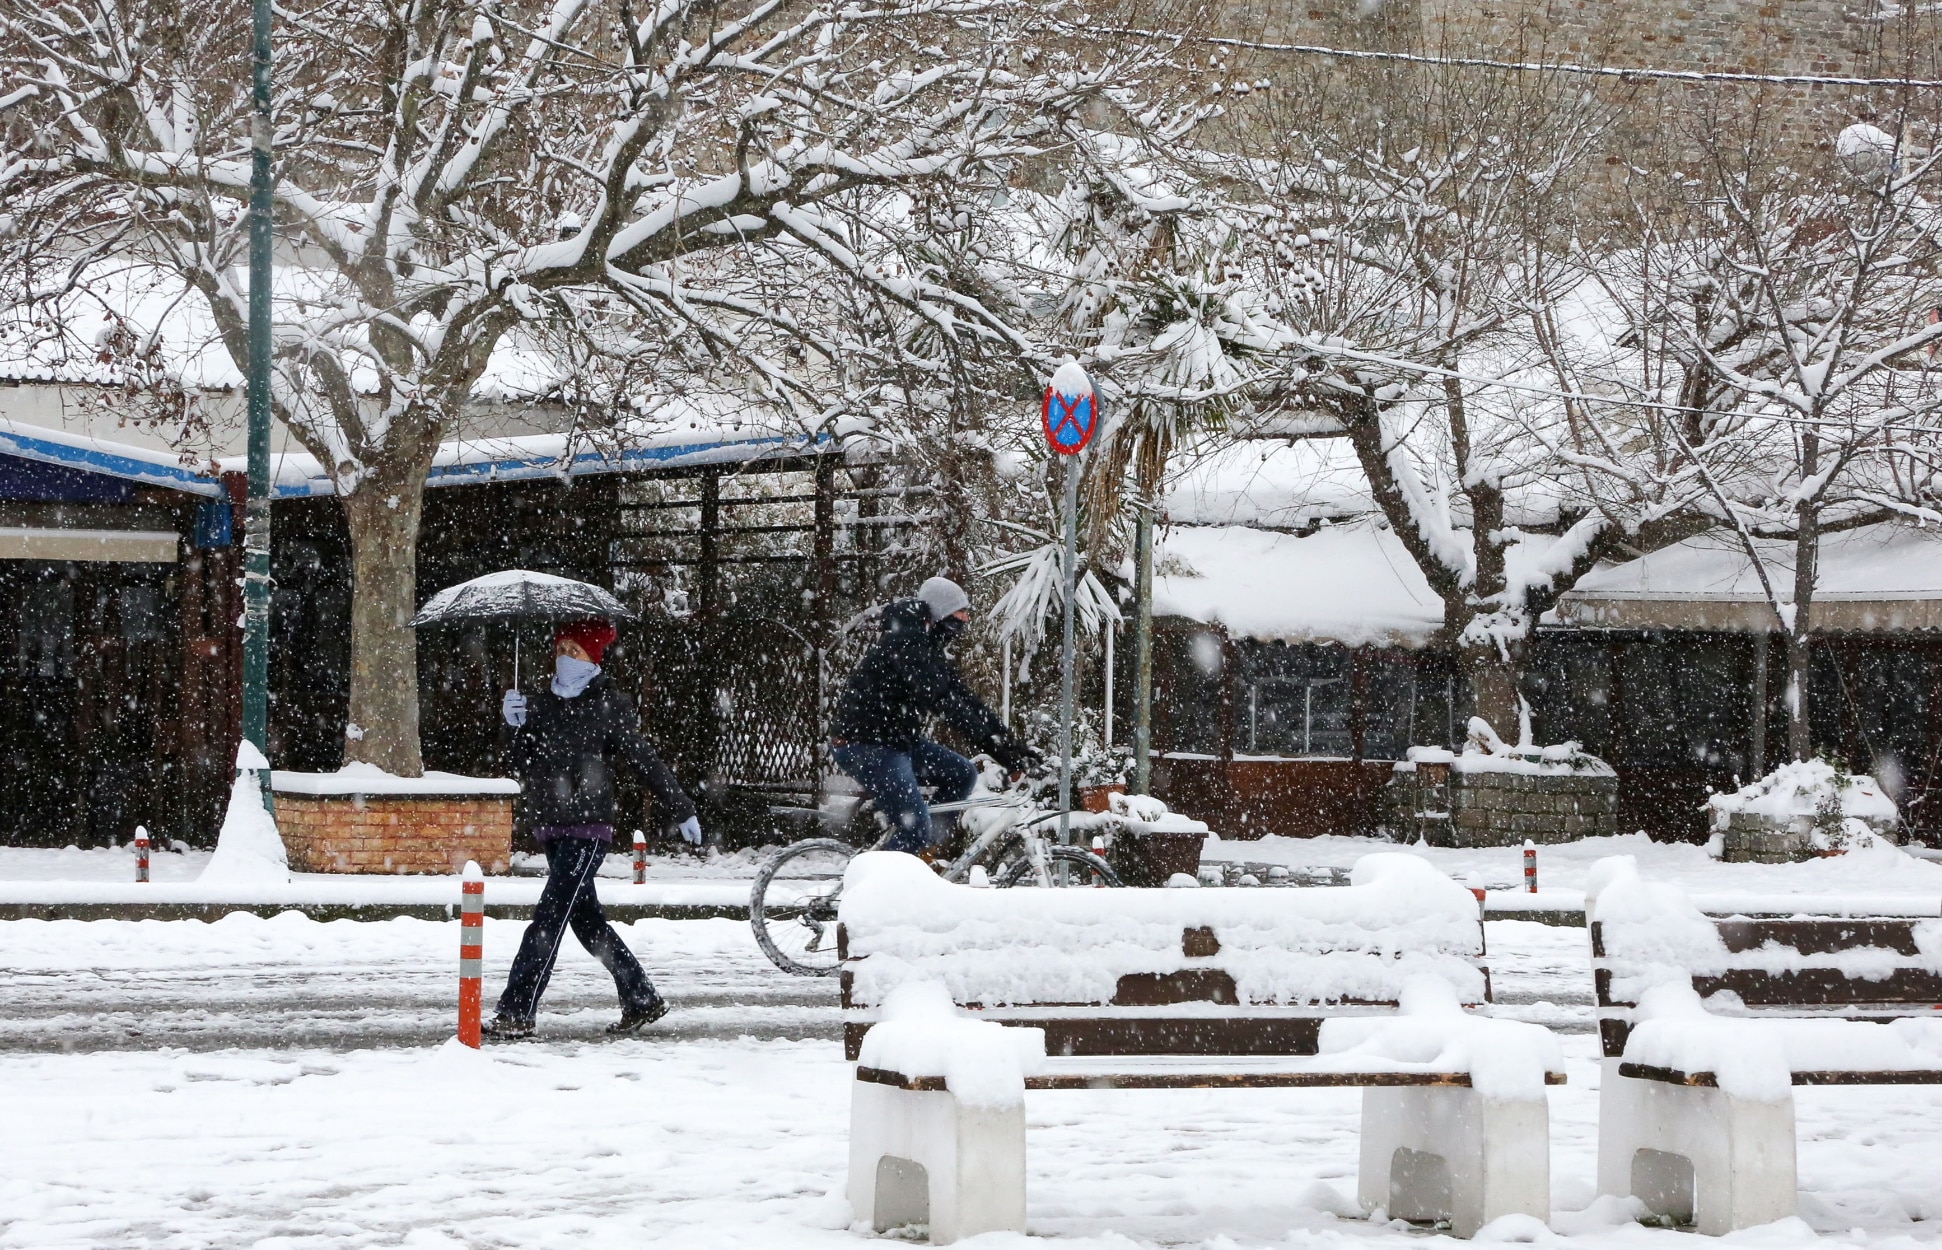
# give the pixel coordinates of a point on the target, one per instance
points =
(379, 833)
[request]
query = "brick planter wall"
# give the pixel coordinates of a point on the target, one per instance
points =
(395, 833)
(1451, 807)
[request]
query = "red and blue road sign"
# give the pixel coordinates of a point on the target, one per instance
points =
(1071, 410)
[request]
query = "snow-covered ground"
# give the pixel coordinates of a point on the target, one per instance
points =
(280, 1083)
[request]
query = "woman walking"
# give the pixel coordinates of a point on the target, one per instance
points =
(565, 740)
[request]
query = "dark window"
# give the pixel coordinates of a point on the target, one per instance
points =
(1293, 700)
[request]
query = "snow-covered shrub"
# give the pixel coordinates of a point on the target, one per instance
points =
(1810, 805)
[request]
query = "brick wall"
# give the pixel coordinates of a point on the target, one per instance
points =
(373, 833)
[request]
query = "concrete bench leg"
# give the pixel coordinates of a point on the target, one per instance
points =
(1431, 1152)
(1694, 1153)
(920, 1156)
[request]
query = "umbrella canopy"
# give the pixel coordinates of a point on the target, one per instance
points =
(520, 593)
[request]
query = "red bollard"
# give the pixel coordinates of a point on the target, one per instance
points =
(1099, 849)
(640, 858)
(141, 853)
(471, 953)
(1530, 869)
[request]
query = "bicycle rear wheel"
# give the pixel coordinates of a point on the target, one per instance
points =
(1070, 866)
(792, 907)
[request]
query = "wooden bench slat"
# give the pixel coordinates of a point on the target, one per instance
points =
(1157, 1035)
(1191, 1076)
(1820, 936)
(1710, 1080)
(1813, 987)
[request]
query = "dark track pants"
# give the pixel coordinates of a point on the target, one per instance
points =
(569, 901)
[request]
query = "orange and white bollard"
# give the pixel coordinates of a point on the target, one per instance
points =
(471, 953)
(141, 853)
(1099, 849)
(1530, 869)
(640, 858)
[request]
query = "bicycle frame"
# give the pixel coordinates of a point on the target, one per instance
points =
(959, 869)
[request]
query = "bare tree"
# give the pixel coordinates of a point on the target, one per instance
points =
(1405, 260)
(1796, 297)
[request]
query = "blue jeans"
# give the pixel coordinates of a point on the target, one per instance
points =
(569, 901)
(892, 777)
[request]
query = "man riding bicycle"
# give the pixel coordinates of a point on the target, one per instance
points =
(908, 677)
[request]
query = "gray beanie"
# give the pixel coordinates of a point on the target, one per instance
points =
(943, 597)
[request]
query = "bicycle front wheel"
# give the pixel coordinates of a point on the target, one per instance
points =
(1069, 866)
(793, 906)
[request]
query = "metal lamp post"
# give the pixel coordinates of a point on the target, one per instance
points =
(256, 512)
(1069, 416)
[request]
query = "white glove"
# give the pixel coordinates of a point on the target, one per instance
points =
(513, 708)
(691, 830)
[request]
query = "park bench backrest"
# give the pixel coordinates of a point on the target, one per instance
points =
(1856, 968)
(1217, 971)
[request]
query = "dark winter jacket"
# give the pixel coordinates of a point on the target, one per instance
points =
(564, 754)
(904, 681)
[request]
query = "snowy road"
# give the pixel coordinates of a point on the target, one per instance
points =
(287, 982)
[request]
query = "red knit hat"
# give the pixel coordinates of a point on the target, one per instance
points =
(593, 636)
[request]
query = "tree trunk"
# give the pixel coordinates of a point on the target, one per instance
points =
(1807, 547)
(383, 516)
(1493, 684)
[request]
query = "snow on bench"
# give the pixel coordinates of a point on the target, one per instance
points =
(1708, 1022)
(1155, 989)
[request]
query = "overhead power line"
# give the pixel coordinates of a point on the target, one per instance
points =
(1534, 67)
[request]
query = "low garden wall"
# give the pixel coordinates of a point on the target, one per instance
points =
(366, 821)
(1502, 797)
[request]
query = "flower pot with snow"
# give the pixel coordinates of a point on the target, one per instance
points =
(362, 819)
(1147, 843)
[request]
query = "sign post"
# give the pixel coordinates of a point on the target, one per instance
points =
(1069, 416)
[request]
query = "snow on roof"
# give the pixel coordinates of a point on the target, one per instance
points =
(1259, 483)
(461, 462)
(1873, 578)
(467, 462)
(1350, 583)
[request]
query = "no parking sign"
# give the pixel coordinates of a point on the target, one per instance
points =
(1071, 410)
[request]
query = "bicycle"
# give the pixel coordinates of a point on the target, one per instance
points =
(792, 907)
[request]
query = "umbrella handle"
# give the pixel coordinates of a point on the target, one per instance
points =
(515, 657)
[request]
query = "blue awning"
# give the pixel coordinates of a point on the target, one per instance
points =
(95, 456)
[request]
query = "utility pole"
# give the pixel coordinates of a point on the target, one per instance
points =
(256, 512)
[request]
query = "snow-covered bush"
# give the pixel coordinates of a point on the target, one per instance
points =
(1823, 806)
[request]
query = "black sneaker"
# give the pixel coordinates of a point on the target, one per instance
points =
(634, 1019)
(506, 1029)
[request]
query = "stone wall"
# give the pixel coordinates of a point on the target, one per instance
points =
(1751, 838)
(1445, 806)
(395, 834)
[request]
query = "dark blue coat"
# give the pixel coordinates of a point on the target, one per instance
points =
(565, 753)
(904, 681)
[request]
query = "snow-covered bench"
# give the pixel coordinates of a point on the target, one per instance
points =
(1162, 989)
(1708, 1022)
